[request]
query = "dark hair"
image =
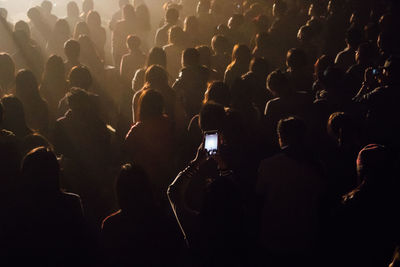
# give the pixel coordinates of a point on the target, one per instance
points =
(172, 15)
(128, 12)
(176, 35)
(212, 117)
(151, 105)
(354, 37)
(157, 56)
(78, 100)
(80, 29)
(278, 83)
(133, 41)
(296, 58)
(220, 43)
(7, 69)
(40, 169)
(191, 57)
(218, 92)
(26, 85)
(93, 19)
(72, 9)
(80, 77)
(132, 187)
(54, 69)
(13, 109)
(62, 27)
(291, 131)
(259, 65)
(205, 55)
(72, 49)
(156, 76)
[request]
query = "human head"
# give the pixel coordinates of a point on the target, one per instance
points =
(3, 13)
(278, 83)
(176, 35)
(128, 13)
(13, 112)
(80, 77)
(72, 50)
(190, 57)
(322, 63)
(151, 105)
(220, 44)
(279, 8)
(365, 53)
(72, 9)
(353, 37)
(62, 28)
(217, 92)
(81, 28)
(157, 56)
(203, 7)
(23, 26)
(262, 40)
(291, 132)
(391, 70)
(241, 54)
(191, 24)
(342, 128)
(156, 76)
(54, 69)
(79, 101)
(87, 5)
(374, 164)
(236, 21)
(93, 19)
(172, 16)
(133, 189)
(332, 80)
(259, 66)
(7, 70)
(33, 141)
(205, 55)
(296, 59)
(34, 14)
(305, 34)
(26, 85)
(133, 42)
(316, 9)
(212, 117)
(47, 6)
(40, 170)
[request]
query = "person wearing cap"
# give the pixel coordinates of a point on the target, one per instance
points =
(367, 220)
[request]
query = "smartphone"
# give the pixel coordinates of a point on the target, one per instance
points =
(211, 142)
(376, 71)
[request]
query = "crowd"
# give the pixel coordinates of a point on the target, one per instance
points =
(102, 128)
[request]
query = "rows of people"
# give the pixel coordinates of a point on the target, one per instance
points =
(303, 96)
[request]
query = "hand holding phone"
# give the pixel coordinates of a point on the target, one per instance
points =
(211, 142)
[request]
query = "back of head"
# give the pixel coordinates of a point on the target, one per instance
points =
(241, 54)
(34, 14)
(322, 63)
(72, 49)
(342, 128)
(212, 117)
(190, 57)
(259, 66)
(33, 141)
(133, 42)
(54, 68)
(80, 77)
(291, 132)
(220, 44)
(13, 110)
(47, 6)
(392, 70)
(205, 55)
(305, 33)
(218, 92)
(87, 5)
(262, 39)
(191, 24)
(3, 13)
(156, 76)
(157, 56)
(72, 9)
(151, 105)
(332, 79)
(26, 85)
(23, 26)
(278, 83)
(133, 188)
(176, 36)
(236, 21)
(81, 28)
(354, 37)
(279, 8)
(62, 27)
(79, 101)
(296, 59)
(172, 15)
(128, 12)
(93, 19)
(366, 52)
(7, 69)
(40, 170)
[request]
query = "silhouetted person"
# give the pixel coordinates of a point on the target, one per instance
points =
(7, 74)
(143, 26)
(14, 117)
(139, 233)
(36, 109)
(221, 56)
(346, 58)
(72, 15)
(87, 6)
(299, 71)
(61, 33)
(240, 64)
(89, 56)
(81, 28)
(6, 29)
(290, 187)
(46, 8)
(132, 61)
(117, 16)
(192, 82)
(41, 30)
(171, 19)
(46, 219)
(97, 32)
(72, 50)
(174, 49)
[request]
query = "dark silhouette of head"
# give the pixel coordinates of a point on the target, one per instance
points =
(79, 101)
(47, 6)
(220, 44)
(172, 16)
(205, 55)
(259, 66)
(62, 28)
(40, 171)
(241, 55)
(72, 9)
(128, 13)
(157, 56)
(332, 80)
(72, 50)
(26, 85)
(80, 77)
(262, 40)
(13, 115)
(354, 37)
(291, 132)
(34, 15)
(343, 128)
(87, 5)
(7, 71)
(191, 24)
(190, 57)
(366, 53)
(151, 105)
(156, 77)
(33, 141)
(176, 36)
(212, 117)
(296, 59)
(133, 42)
(322, 63)
(93, 19)
(54, 69)
(133, 189)
(278, 84)
(81, 28)
(23, 26)
(218, 92)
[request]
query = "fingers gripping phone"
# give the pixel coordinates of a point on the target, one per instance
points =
(211, 142)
